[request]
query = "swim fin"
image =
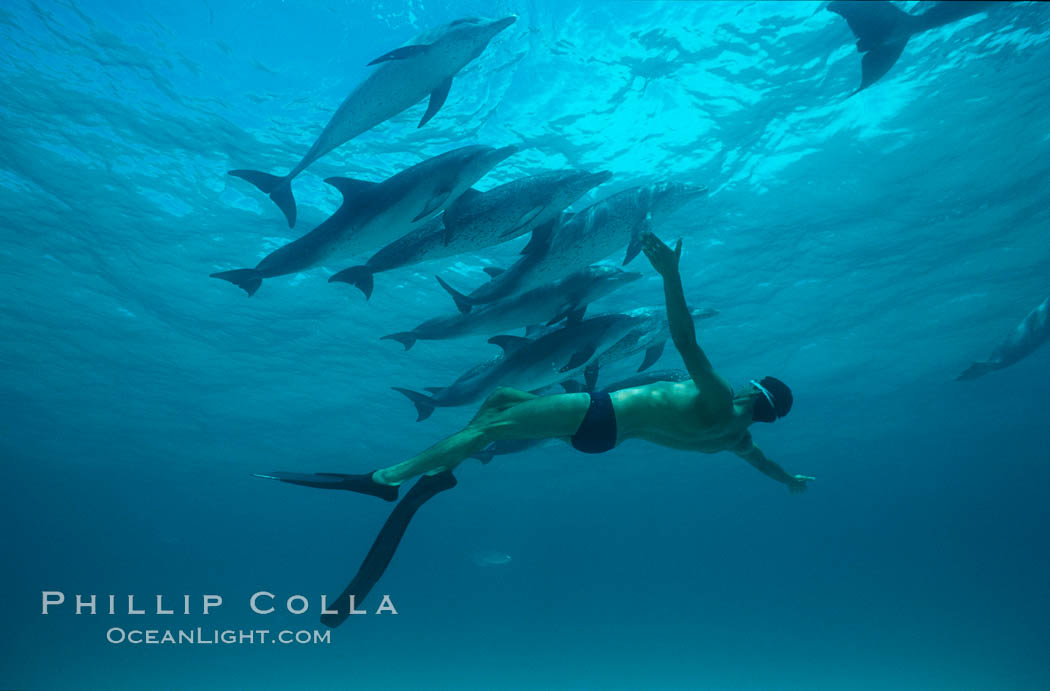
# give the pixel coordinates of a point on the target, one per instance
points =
(362, 484)
(385, 545)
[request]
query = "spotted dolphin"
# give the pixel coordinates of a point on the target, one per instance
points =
(478, 220)
(882, 29)
(405, 76)
(649, 333)
(528, 364)
(372, 213)
(564, 299)
(1032, 332)
(581, 239)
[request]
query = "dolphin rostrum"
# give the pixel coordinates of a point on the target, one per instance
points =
(372, 213)
(405, 76)
(564, 299)
(882, 29)
(478, 220)
(1032, 332)
(581, 239)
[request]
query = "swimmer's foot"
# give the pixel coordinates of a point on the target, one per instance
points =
(362, 484)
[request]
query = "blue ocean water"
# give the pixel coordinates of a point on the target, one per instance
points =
(865, 249)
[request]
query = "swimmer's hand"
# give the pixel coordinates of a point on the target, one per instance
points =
(797, 483)
(663, 259)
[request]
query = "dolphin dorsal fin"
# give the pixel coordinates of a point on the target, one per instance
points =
(509, 343)
(402, 53)
(463, 303)
(352, 189)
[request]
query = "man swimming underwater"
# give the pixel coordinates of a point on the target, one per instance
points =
(702, 414)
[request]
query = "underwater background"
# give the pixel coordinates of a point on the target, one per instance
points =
(864, 249)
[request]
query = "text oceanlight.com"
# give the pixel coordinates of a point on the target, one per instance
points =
(200, 636)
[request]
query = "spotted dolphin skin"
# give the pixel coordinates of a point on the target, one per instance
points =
(478, 220)
(529, 365)
(404, 77)
(564, 299)
(373, 214)
(1032, 332)
(578, 240)
(882, 30)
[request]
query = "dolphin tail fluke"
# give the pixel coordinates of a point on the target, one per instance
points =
(881, 29)
(463, 303)
(977, 369)
(385, 545)
(248, 280)
(405, 338)
(360, 276)
(278, 188)
(876, 63)
(424, 404)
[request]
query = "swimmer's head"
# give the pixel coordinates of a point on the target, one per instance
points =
(772, 400)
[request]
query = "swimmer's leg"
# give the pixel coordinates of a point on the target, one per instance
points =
(507, 414)
(385, 545)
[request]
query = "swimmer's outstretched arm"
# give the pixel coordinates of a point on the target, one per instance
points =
(753, 455)
(717, 391)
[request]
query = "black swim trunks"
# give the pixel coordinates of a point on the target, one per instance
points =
(597, 432)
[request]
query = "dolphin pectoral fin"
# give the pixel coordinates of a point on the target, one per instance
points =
(509, 343)
(572, 386)
(461, 209)
(248, 280)
(572, 315)
(278, 188)
(652, 354)
(354, 191)
(424, 404)
(540, 241)
(463, 303)
(437, 99)
(402, 53)
(523, 223)
(977, 369)
(877, 62)
(405, 338)
(579, 358)
(432, 205)
(590, 377)
(360, 276)
(635, 245)
(385, 545)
